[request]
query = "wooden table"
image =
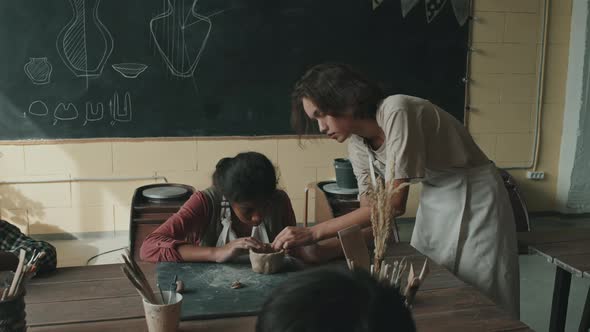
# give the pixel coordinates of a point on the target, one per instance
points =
(99, 298)
(569, 250)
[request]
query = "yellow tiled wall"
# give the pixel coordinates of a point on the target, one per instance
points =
(87, 206)
(506, 38)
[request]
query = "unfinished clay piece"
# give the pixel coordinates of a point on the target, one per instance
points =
(179, 286)
(236, 285)
(267, 261)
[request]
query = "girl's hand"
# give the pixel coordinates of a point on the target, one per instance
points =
(236, 248)
(291, 237)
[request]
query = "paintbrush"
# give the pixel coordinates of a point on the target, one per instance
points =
(17, 274)
(161, 294)
(138, 287)
(138, 270)
(414, 282)
(172, 289)
(138, 273)
(133, 269)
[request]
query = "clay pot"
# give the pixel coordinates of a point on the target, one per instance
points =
(267, 262)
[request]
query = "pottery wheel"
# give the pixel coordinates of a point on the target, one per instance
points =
(165, 192)
(333, 188)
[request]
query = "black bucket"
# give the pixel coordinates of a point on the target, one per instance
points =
(12, 314)
(344, 174)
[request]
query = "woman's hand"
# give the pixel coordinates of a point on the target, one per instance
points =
(292, 237)
(309, 254)
(236, 248)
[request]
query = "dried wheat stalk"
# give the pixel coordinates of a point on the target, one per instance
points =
(382, 216)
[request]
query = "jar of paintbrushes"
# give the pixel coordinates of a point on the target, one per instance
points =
(12, 313)
(12, 292)
(162, 308)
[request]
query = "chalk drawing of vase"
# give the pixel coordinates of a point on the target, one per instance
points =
(38, 70)
(180, 35)
(85, 44)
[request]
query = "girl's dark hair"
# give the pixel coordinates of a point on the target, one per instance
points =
(246, 177)
(334, 88)
(334, 300)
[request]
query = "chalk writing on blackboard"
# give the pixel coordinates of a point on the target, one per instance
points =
(65, 112)
(94, 113)
(180, 35)
(254, 53)
(38, 108)
(129, 70)
(85, 43)
(120, 113)
(38, 70)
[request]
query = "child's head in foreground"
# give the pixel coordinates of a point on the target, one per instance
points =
(334, 299)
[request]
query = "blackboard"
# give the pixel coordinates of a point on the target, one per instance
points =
(228, 72)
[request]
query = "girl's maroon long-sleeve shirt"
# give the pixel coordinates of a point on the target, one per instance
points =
(193, 218)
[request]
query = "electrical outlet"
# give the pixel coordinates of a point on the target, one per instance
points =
(535, 175)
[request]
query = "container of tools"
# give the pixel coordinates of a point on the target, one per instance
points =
(164, 315)
(162, 308)
(12, 292)
(12, 312)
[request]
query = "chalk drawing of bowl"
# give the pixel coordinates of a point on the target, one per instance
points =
(38, 108)
(130, 70)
